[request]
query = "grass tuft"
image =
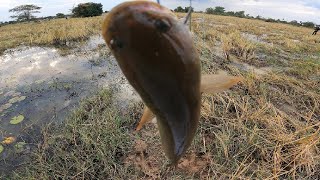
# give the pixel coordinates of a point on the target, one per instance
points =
(90, 144)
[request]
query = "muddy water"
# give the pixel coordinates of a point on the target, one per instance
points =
(43, 86)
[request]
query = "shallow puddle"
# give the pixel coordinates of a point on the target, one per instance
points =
(43, 87)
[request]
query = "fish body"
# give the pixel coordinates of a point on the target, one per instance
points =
(155, 52)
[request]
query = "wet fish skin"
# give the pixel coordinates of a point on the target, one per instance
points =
(156, 54)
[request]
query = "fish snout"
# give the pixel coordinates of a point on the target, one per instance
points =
(127, 17)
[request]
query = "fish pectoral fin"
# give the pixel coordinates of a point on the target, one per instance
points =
(146, 117)
(215, 83)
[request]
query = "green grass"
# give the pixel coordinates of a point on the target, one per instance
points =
(306, 68)
(91, 143)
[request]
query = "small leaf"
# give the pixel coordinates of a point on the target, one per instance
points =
(19, 146)
(9, 140)
(17, 99)
(5, 107)
(39, 81)
(17, 119)
(1, 148)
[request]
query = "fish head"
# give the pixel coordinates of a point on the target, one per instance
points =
(132, 18)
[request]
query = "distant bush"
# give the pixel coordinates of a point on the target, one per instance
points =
(308, 24)
(87, 10)
(270, 20)
(210, 10)
(60, 15)
(179, 9)
(184, 10)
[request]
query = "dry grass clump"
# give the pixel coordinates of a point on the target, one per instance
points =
(53, 32)
(236, 45)
(259, 131)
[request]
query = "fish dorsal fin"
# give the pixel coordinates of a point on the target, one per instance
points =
(215, 83)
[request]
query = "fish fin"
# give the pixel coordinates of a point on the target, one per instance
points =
(187, 18)
(215, 83)
(146, 117)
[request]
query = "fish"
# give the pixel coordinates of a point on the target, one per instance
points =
(156, 53)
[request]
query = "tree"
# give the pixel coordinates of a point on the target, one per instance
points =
(25, 12)
(240, 14)
(87, 10)
(295, 23)
(270, 20)
(219, 10)
(60, 15)
(179, 9)
(230, 13)
(186, 9)
(210, 10)
(308, 24)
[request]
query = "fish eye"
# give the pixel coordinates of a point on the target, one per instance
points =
(162, 25)
(116, 43)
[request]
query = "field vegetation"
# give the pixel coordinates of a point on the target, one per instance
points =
(267, 127)
(56, 32)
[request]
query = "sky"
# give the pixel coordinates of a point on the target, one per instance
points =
(300, 10)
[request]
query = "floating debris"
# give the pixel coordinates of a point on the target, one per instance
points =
(1, 148)
(17, 119)
(8, 140)
(19, 147)
(5, 107)
(17, 99)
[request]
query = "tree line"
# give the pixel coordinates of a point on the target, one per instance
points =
(219, 10)
(24, 13)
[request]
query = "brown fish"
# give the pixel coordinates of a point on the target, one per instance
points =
(156, 53)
